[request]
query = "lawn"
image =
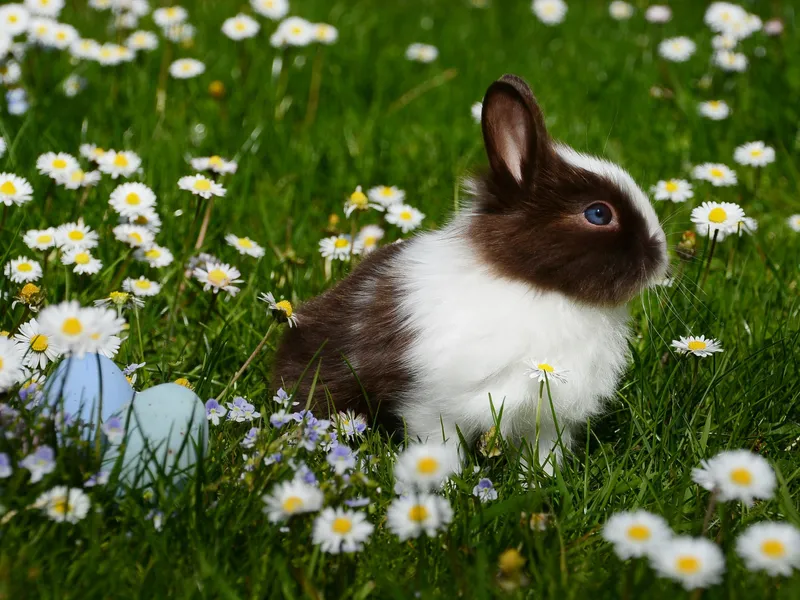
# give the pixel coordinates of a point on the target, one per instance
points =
(306, 125)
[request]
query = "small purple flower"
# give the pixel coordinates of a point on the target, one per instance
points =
(341, 459)
(5, 466)
(32, 395)
(304, 474)
(485, 491)
(241, 410)
(132, 368)
(273, 458)
(41, 462)
(214, 411)
(357, 502)
(284, 399)
(101, 478)
(280, 418)
(250, 438)
(114, 430)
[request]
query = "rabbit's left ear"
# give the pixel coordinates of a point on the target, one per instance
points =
(514, 132)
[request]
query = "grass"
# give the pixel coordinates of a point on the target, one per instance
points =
(382, 119)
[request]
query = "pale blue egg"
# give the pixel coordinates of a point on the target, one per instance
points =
(166, 427)
(82, 386)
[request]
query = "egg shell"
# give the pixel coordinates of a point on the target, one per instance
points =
(79, 384)
(167, 423)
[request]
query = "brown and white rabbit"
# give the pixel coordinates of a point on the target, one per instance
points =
(430, 334)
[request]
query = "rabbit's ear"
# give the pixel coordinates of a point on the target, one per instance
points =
(514, 132)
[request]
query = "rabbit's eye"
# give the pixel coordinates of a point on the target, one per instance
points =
(599, 214)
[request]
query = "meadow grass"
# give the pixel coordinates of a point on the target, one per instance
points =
(381, 119)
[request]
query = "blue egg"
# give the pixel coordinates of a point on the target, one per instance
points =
(166, 427)
(82, 387)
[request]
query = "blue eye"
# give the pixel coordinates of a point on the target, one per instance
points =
(598, 214)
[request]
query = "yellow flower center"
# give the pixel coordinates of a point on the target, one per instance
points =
(370, 241)
(71, 326)
(671, 186)
(13, 18)
(98, 152)
(143, 284)
(386, 191)
(44, 239)
(756, 152)
(120, 160)
(773, 548)
(292, 504)
(215, 161)
(171, 11)
(28, 291)
(358, 198)
(136, 237)
(342, 525)
(133, 199)
(297, 30)
(82, 258)
(418, 513)
(39, 343)
(119, 298)
(639, 533)
(1, 362)
(717, 215)
(61, 506)
(202, 185)
(285, 306)
(696, 345)
(153, 253)
(239, 26)
(545, 367)
(245, 243)
(75, 235)
(61, 35)
(341, 243)
(427, 465)
(687, 565)
(77, 175)
(24, 267)
(741, 476)
(714, 104)
(218, 277)
(322, 32)
(406, 215)
(59, 163)
(716, 172)
(8, 188)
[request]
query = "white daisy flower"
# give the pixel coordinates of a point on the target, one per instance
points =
(340, 530)
(721, 15)
(83, 261)
(693, 562)
(79, 178)
(724, 42)
(14, 190)
(75, 235)
(132, 199)
(186, 68)
(699, 346)
(2, 147)
(727, 60)
(476, 110)
(119, 163)
(172, 15)
(358, 201)
(550, 12)
(240, 27)
(245, 245)
(67, 325)
(386, 195)
(109, 55)
(794, 222)
(411, 516)
(62, 36)
(40, 239)
(91, 152)
(180, 32)
(215, 164)
(141, 286)
(748, 225)
(620, 11)
(754, 154)
(336, 247)
(272, 9)
(544, 371)
(282, 311)
(717, 218)
(63, 504)
(737, 475)
(293, 31)
(56, 165)
(675, 190)
(45, 8)
(11, 371)
(678, 49)
(406, 217)
(717, 174)
(770, 547)
(658, 13)
(10, 74)
(156, 256)
(22, 270)
(40, 30)
(85, 49)
(37, 349)
(200, 185)
(424, 53)
(636, 533)
(218, 276)
(148, 219)
(135, 236)
(14, 19)
(426, 466)
(367, 239)
(716, 110)
(142, 40)
(325, 34)
(291, 498)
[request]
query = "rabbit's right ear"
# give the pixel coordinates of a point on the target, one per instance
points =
(514, 132)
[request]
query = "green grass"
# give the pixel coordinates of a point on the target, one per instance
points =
(382, 119)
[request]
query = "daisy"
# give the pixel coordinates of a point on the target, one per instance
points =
(200, 185)
(75, 235)
(748, 225)
(37, 350)
(367, 239)
(386, 195)
(728, 60)
(340, 530)
(426, 466)
(770, 547)
(55, 164)
(545, 371)
(621, 11)
(40, 239)
(737, 475)
(215, 164)
(245, 245)
(699, 346)
(411, 516)
(717, 219)
(636, 533)
(179, 33)
(69, 326)
(86, 49)
(120, 300)
(358, 201)
(156, 256)
(424, 53)
(148, 219)
(142, 40)
(10, 74)
(91, 152)
(717, 174)
(240, 27)
(336, 247)
(132, 199)
(794, 222)
(272, 9)
(172, 15)
(282, 311)
(85, 263)
(63, 504)
(549, 12)
(476, 110)
(14, 190)
(485, 491)
(678, 49)
(720, 15)
(22, 270)
(14, 19)
(40, 463)
(325, 34)
(11, 363)
(658, 13)
(141, 286)
(724, 42)
(135, 236)
(119, 163)
(109, 54)
(404, 216)
(676, 190)
(79, 178)
(186, 68)
(45, 8)
(754, 154)
(218, 276)
(291, 498)
(693, 562)
(293, 31)
(62, 36)
(716, 110)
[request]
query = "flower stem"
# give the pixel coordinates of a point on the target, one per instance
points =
(249, 360)
(538, 421)
(710, 256)
(201, 237)
(712, 504)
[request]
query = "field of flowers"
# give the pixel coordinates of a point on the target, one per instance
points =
(175, 180)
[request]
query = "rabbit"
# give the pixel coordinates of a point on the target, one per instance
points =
(433, 336)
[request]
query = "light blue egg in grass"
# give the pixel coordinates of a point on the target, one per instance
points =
(166, 430)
